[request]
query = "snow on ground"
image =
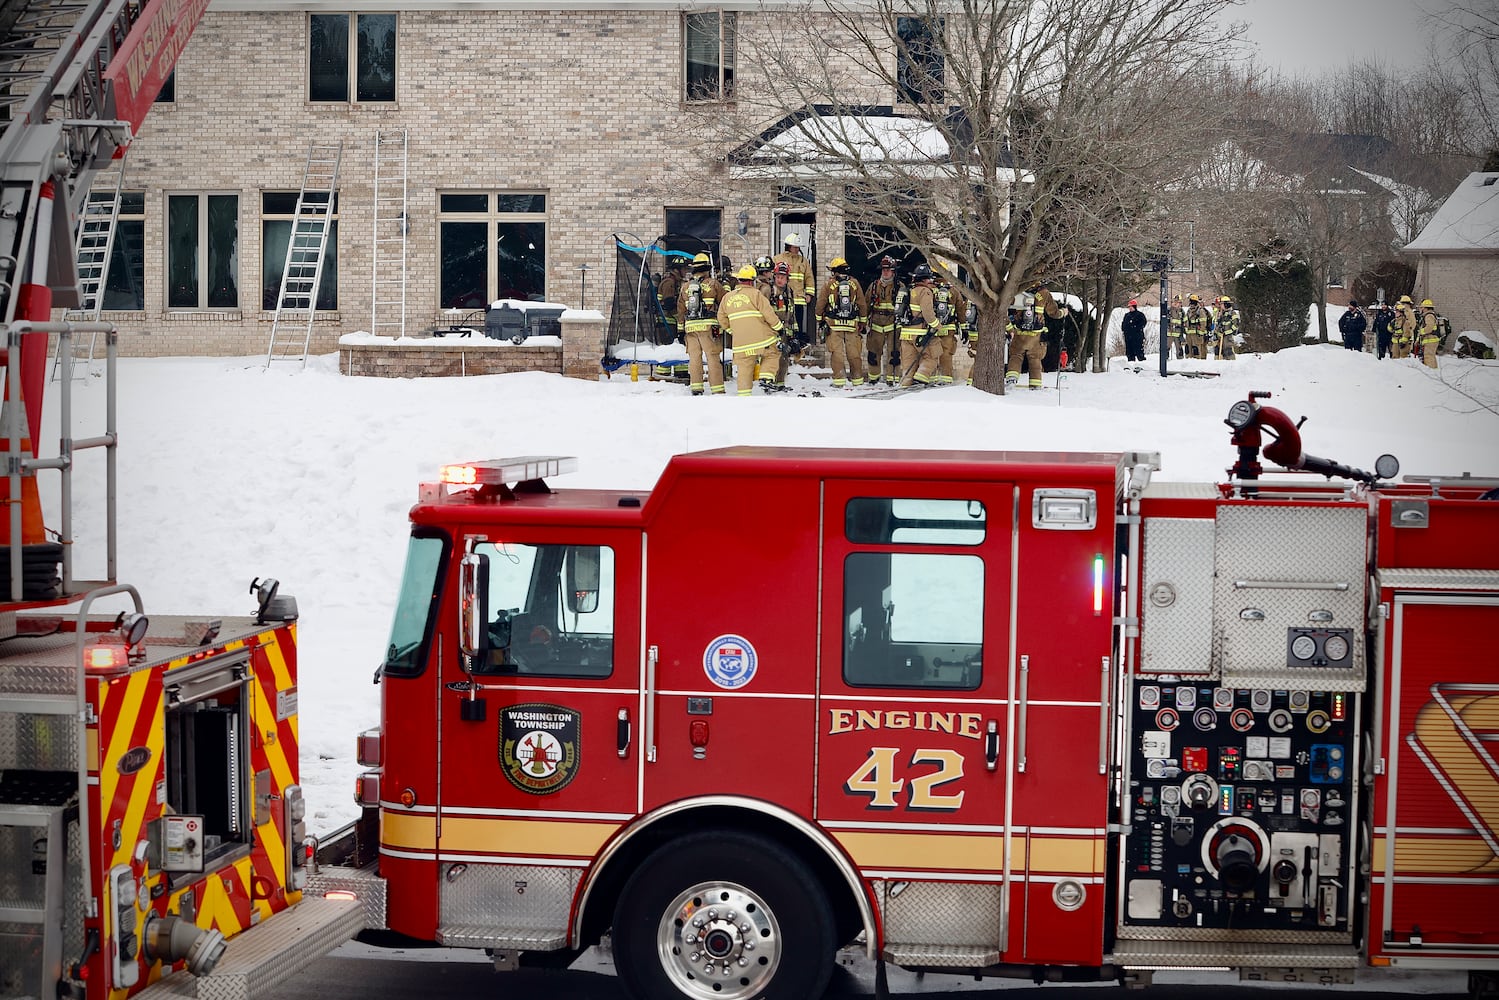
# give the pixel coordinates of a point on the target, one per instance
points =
(229, 471)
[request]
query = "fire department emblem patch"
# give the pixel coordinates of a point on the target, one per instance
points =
(539, 746)
(730, 661)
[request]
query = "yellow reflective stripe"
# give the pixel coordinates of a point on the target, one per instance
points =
(754, 347)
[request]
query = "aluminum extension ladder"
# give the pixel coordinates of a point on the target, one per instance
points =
(302, 274)
(93, 249)
(388, 298)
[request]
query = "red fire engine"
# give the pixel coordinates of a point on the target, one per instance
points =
(151, 825)
(991, 713)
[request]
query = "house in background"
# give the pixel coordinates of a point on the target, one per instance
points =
(1457, 256)
(533, 132)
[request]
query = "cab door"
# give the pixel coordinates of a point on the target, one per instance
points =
(914, 707)
(537, 757)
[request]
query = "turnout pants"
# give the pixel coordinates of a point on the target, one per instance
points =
(948, 346)
(917, 364)
(702, 344)
(1025, 348)
(845, 355)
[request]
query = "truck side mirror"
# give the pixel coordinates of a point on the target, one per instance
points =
(473, 606)
(582, 570)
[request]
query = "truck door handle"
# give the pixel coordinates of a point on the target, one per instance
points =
(991, 746)
(622, 733)
(1025, 685)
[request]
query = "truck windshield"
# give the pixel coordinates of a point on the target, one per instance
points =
(416, 607)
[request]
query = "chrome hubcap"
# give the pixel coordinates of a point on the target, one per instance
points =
(719, 939)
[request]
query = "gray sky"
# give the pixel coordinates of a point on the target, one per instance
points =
(1306, 37)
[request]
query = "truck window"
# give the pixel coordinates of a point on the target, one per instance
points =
(552, 609)
(416, 607)
(898, 521)
(913, 620)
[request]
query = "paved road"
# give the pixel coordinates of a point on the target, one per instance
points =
(357, 972)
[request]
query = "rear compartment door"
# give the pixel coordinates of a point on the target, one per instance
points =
(1436, 816)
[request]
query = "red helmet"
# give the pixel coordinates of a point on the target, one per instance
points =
(782, 267)
(1133, 302)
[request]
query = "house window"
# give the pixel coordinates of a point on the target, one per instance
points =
(168, 92)
(708, 53)
(357, 47)
(918, 60)
(276, 211)
(493, 246)
(694, 230)
(202, 251)
(124, 282)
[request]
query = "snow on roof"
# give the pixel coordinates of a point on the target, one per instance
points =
(1467, 220)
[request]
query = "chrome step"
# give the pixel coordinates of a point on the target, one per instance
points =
(501, 938)
(945, 956)
(1231, 954)
(365, 883)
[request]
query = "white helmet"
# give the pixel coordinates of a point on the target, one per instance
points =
(793, 240)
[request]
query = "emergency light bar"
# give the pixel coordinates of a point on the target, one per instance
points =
(503, 471)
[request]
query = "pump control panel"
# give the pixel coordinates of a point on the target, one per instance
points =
(1241, 807)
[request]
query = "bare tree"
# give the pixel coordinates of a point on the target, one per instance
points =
(1026, 135)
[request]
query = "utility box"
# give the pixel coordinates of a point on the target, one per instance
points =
(505, 322)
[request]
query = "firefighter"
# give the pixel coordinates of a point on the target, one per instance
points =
(1429, 336)
(1197, 322)
(842, 310)
(970, 334)
(754, 329)
(916, 317)
(881, 338)
(1404, 329)
(1175, 318)
(801, 280)
(777, 292)
(666, 294)
(1023, 332)
(697, 303)
(1133, 328)
(1054, 320)
(1228, 325)
(950, 307)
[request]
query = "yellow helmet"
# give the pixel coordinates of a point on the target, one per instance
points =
(1194, 298)
(1428, 304)
(746, 273)
(701, 262)
(1406, 299)
(838, 264)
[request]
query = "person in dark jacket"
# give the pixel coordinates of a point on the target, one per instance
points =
(1133, 326)
(1383, 317)
(1352, 325)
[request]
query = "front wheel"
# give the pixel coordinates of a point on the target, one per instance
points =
(724, 915)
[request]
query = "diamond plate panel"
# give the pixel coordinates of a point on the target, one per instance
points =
(369, 887)
(30, 742)
(515, 897)
(942, 956)
(1201, 937)
(1186, 954)
(933, 916)
(38, 678)
(1282, 564)
(277, 948)
(1176, 597)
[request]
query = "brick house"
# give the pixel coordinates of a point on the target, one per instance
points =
(534, 132)
(1457, 256)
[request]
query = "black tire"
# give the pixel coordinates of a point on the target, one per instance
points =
(759, 903)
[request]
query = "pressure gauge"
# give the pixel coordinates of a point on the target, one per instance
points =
(1303, 647)
(1240, 415)
(1336, 647)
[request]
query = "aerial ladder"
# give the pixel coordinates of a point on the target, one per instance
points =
(79, 81)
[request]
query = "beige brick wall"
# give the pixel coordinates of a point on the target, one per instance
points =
(446, 359)
(580, 105)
